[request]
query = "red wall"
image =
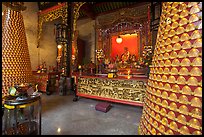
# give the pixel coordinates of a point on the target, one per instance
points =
(129, 41)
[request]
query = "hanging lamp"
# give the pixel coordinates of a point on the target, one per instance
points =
(119, 39)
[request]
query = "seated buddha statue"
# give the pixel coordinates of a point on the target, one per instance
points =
(126, 55)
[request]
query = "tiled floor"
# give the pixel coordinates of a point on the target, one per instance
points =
(62, 116)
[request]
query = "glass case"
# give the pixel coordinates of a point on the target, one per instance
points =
(22, 117)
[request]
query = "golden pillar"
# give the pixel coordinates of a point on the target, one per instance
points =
(16, 65)
(173, 100)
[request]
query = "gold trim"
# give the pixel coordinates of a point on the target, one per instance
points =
(50, 16)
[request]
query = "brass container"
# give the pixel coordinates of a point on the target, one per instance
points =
(16, 65)
(174, 88)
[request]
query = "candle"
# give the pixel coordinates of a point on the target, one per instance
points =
(79, 67)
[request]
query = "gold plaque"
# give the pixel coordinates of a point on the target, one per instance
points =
(184, 37)
(164, 94)
(183, 21)
(186, 45)
(170, 132)
(162, 43)
(167, 87)
(156, 84)
(175, 17)
(165, 103)
(158, 77)
(183, 71)
(161, 64)
(155, 123)
(158, 118)
(173, 125)
(160, 56)
(164, 78)
(193, 53)
(160, 71)
(163, 49)
(198, 92)
(173, 105)
(162, 128)
(182, 119)
(158, 92)
(185, 62)
(183, 109)
(197, 133)
(193, 18)
(196, 112)
(173, 97)
(175, 5)
(195, 71)
(197, 43)
(182, 54)
(174, 40)
(174, 25)
(152, 113)
(173, 54)
(149, 127)
(165, 35)
(172, 79)
(158, 101)
(150, 120)
(166, 55)
(163, 112)
(196, 34)
(166, 71)
(168, 41)
(184, 13)
(181, 80)
(183, 99)
(171, 33)
(167, 63)
(190, 27)
(153, 131)
(171, 115)
(184, 130)
(196, 102)
(195, 123)
(197, 61)
(182, 7)
(192, 81)
(174, 71)
(168, 27)
(186, 90)
(191, 4)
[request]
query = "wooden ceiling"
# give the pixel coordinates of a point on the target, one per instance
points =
(94, 9)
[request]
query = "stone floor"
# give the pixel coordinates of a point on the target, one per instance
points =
(62, 116)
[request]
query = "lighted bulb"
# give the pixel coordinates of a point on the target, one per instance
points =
(128, 76)
(2, 13)
(119, 40)
(59, 130)
(59, 46)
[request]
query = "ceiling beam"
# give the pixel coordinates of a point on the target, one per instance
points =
(88, 10)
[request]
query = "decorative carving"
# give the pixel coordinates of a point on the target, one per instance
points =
(60, 11)
(77, 6)
(127, 90)
(134, 13)
(126, 20)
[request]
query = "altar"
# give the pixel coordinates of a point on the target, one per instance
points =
(123, 89)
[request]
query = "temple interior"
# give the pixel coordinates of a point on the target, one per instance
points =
(142, 55)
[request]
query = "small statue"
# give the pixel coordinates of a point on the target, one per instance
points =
(125, 55)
